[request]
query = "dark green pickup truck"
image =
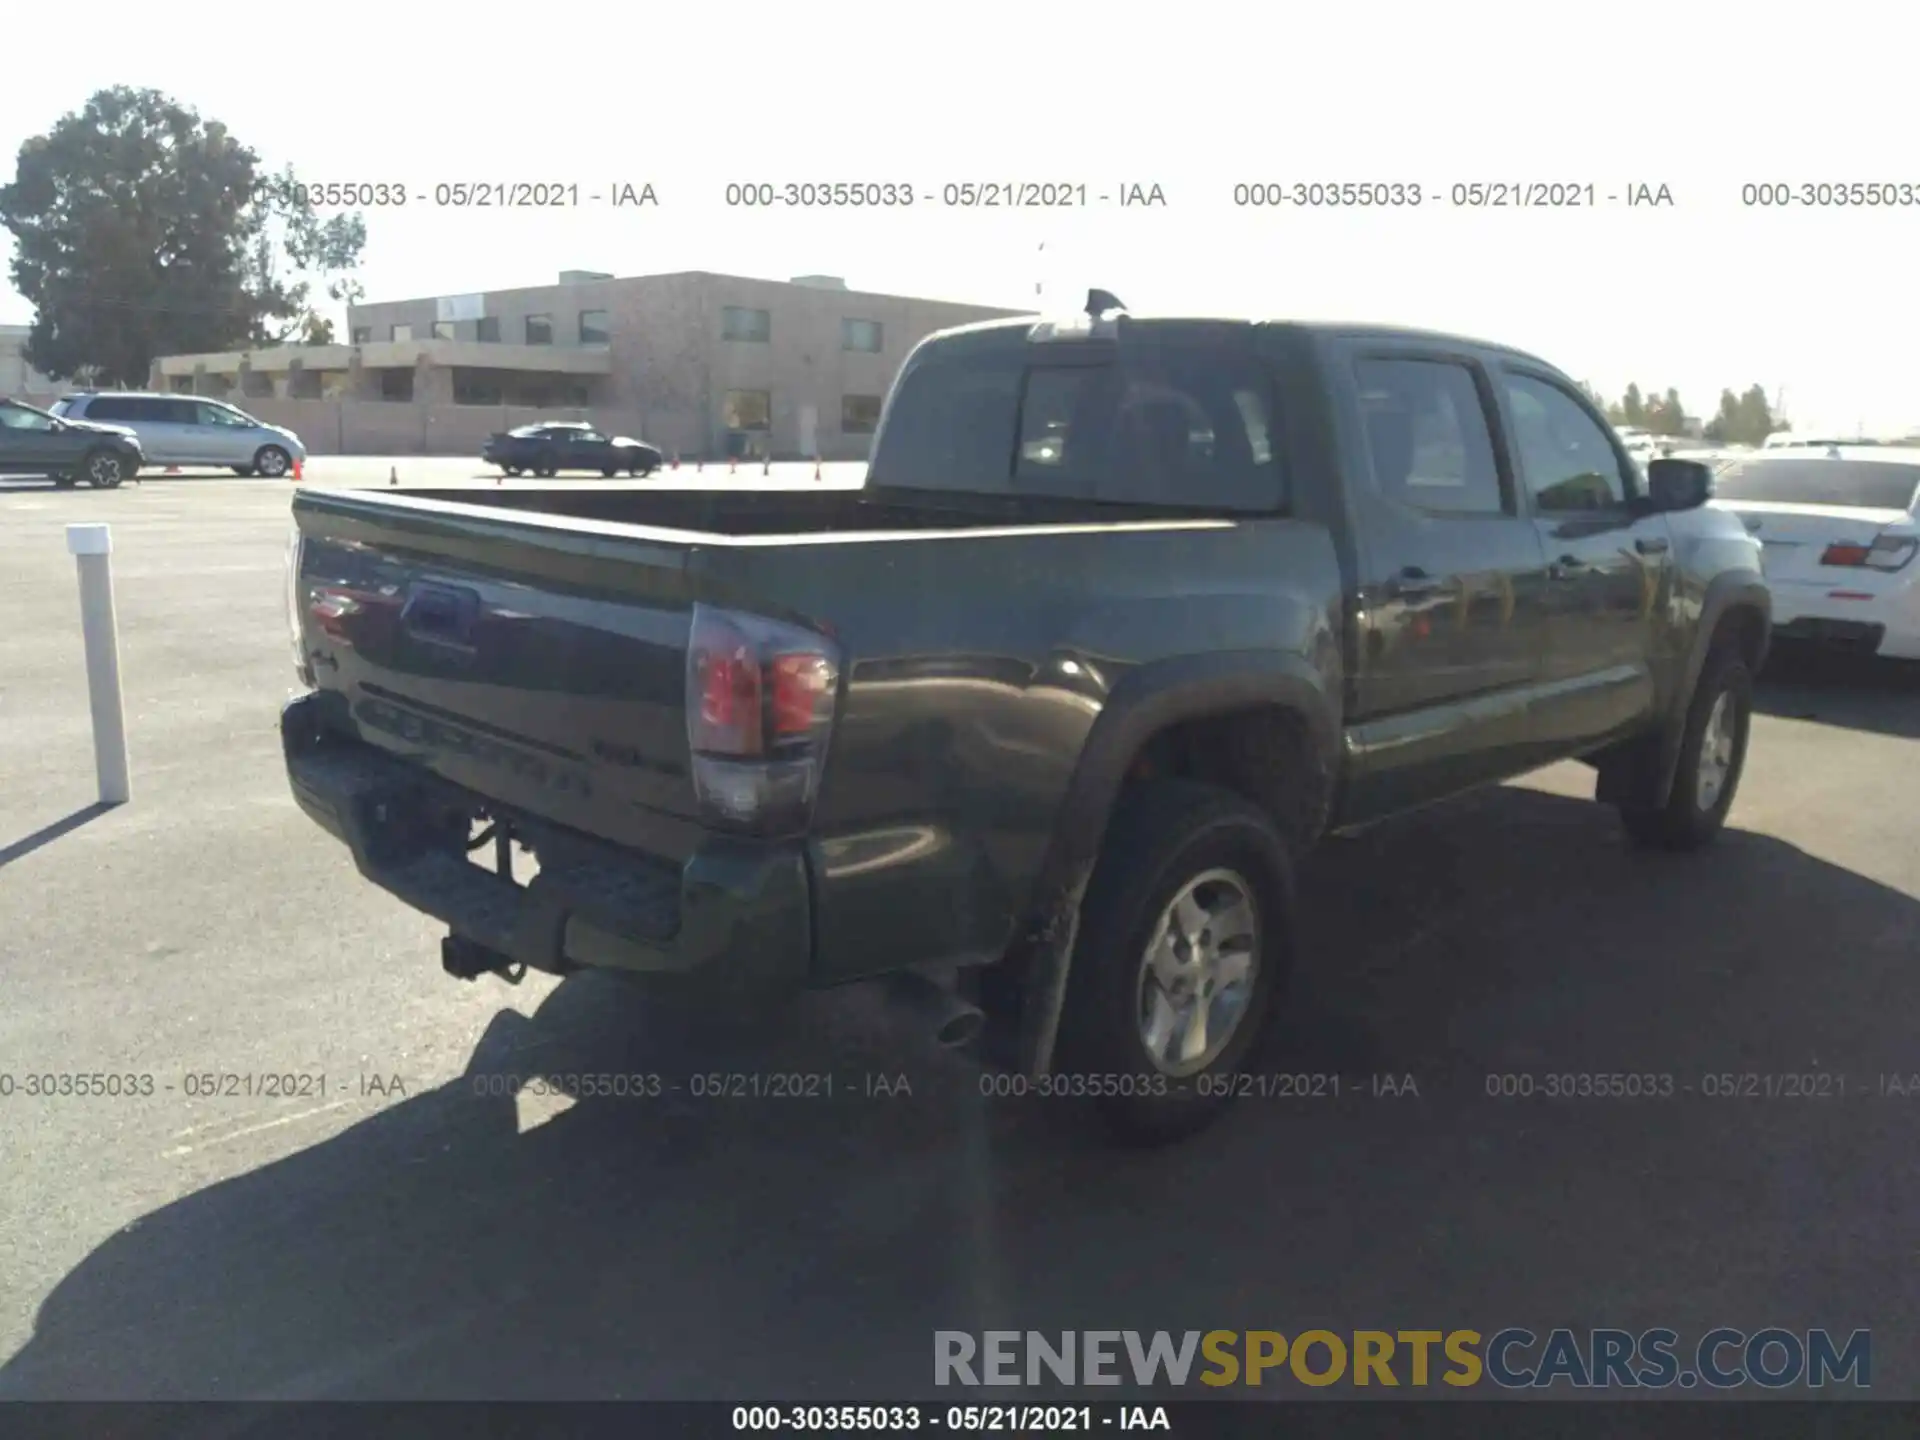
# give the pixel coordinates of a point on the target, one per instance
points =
(1032, 728)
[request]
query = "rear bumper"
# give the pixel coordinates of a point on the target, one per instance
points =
(1887, 624)
(735, 917)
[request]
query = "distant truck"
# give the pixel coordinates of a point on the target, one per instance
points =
(1035, 728)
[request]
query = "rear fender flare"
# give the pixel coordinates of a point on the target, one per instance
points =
(1145, 701)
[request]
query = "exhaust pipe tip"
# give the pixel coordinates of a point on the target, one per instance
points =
(953, 1021)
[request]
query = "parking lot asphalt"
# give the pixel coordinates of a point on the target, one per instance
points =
(403, 1226)
(360, 471)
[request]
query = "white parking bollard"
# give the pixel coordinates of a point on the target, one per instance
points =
(92, 547)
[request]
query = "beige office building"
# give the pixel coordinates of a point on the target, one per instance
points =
(697, 363)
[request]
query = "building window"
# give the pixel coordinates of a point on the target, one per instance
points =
(363, 334)
(401, 332)
(396, 384)
(487, 329)
(539, 330)
(739, 324)
(748, 410)
(593, 327)
(861, 335)
(478, 387)
(443, 329)
(859, 414)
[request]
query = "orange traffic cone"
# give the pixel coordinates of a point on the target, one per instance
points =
(733, 465)
(298, 467)
(171, 470)
(676, 460)
(816, 467)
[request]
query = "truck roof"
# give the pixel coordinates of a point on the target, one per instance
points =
(1349, 329)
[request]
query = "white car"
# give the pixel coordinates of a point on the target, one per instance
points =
(1839, 529)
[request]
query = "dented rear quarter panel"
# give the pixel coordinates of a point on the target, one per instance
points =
(978, 666)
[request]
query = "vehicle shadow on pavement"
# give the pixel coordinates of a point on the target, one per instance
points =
(1857, 692)
(807, 1249)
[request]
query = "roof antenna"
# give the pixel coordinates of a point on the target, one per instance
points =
(1099, 302)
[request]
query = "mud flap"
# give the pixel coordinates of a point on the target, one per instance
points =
(1050, 956)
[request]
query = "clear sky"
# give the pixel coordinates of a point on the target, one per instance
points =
(1705, 294)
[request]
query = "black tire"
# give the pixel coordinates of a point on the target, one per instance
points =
(1165, 836)
(544, 468)
(607, 472)
(1688, 818)
(104, 469)
(271, 461)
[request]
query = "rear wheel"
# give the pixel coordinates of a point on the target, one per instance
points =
(104, 469)
(1184, 944)
(272, 462)
(1713, 753)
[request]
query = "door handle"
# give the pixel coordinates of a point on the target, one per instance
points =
(1652, 545)
(1567, 567)
(1413, 583)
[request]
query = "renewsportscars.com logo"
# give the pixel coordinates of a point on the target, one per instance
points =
(1514, 1358)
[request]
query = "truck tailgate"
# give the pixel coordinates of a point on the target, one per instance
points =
(538, 663)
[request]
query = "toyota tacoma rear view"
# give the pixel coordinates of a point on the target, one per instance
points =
(1034, 728)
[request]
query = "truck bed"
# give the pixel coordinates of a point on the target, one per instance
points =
(736, 514)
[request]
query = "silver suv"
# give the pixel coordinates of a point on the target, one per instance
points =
(191, 430)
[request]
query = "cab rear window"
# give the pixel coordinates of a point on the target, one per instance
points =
(1146, 422)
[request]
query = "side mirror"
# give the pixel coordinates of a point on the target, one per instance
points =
(1678, 484)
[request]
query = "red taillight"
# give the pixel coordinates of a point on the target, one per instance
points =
(730, 696)
(760, 707)
(1888, 552)
(802, 683)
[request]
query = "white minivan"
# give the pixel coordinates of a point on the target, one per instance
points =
(191, 430)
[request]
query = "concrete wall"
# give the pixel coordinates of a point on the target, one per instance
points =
(375, 427)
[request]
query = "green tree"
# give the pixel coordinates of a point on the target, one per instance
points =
(1664, 415)
(1744, 419)
(142, 230)
(1756, 416)
(1720, 429)
(1633, 407)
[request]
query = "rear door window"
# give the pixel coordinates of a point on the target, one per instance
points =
(1428, 439)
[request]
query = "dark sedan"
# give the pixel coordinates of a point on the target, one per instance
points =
(34, 442)
(546, 450)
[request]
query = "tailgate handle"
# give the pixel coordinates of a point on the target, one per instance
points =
(441, 615)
